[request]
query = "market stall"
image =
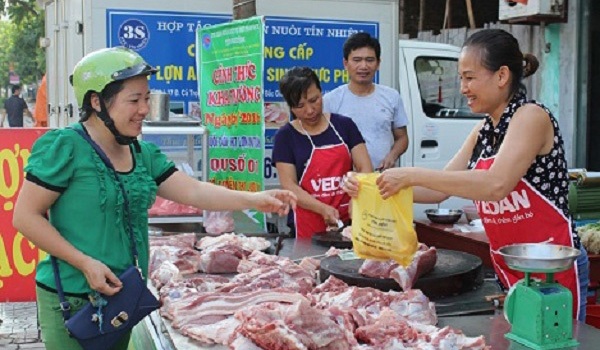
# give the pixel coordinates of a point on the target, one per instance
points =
(470, 311)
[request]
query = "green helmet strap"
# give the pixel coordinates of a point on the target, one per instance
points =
(110, 124)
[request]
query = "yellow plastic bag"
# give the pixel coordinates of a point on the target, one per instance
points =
(383, 229)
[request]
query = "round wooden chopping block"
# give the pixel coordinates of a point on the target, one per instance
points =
(454, 273)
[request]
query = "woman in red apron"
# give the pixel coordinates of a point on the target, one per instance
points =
(314, 152)
(512, 164)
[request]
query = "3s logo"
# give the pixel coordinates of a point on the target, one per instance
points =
(138, 32)
(134, 34)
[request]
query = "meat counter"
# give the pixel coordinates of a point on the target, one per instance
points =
(156, 332)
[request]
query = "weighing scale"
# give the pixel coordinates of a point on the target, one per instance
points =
(540, 312)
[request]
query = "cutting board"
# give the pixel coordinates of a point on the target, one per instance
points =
(454, 273)
(332, 239)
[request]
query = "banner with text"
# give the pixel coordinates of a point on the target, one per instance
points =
(230, 70)
(18, 256)
(167, 40)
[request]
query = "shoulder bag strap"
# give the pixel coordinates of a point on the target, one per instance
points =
(65, 306)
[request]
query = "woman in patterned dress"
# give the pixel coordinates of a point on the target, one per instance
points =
(512, 165)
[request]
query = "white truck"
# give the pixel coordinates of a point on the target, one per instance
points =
(298, 32)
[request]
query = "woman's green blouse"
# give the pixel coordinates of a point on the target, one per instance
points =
(90, 212)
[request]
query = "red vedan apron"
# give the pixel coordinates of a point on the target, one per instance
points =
(322, 178)
(525, 216)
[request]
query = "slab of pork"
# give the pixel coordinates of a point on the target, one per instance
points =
(424, 261)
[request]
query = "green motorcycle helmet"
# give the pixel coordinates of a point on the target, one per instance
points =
(104, 66)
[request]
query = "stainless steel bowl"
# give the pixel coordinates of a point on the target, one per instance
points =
(539, 257)
(444, 216)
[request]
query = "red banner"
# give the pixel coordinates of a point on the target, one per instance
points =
(18, 256)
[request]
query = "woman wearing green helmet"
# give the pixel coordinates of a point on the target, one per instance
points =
(101, 74)
(87, 226)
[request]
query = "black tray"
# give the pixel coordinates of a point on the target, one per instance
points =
(454, 273)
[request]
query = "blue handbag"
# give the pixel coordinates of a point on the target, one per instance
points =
(100, 324)
(96, 330)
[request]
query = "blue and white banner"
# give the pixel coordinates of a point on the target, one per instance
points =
(167, 41)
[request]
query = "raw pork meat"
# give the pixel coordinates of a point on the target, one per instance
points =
(247, 243)
(423, 262)
(290, 327)
(217, 222)
(222, 258)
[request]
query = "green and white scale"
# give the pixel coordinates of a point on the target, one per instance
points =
(540, 312)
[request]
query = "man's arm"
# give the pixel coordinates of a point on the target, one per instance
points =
(398, 148)
(31, 116)
(400, 133)
(26, 108)
(27, 112)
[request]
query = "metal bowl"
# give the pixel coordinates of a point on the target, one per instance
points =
(444, 216)
(539, 257)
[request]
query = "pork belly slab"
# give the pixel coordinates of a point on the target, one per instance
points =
(204, 308)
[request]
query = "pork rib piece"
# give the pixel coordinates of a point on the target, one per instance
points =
(389, 325)
(221, 258)
(223, 254)
(258, 260)
(276, 326)
(185, 259)
(213, 333)
(423, 262)
(165, 273)
(290, 277)
(182, 240)
(247, 243)
(366, 304)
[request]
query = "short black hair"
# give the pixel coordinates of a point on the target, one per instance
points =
(15, 88)
(360, 40)
(296, 82)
